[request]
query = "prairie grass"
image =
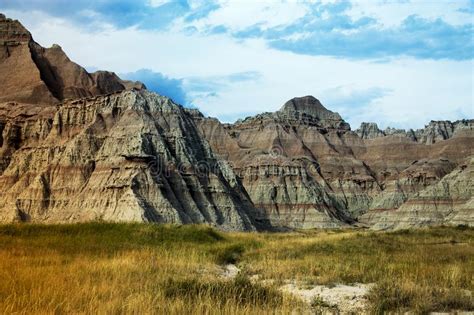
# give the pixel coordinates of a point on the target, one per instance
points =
(144, 268)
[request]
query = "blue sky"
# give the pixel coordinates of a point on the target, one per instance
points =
(398, 63)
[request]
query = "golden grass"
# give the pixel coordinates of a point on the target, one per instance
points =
(146, 269)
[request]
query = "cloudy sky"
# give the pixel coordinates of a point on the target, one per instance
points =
(397, 63)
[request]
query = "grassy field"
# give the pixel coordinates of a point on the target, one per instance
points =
(140, 268)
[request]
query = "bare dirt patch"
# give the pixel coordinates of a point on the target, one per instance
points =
(342, 298)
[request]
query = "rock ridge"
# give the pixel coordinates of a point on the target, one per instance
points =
(435, 131)
(46, 75)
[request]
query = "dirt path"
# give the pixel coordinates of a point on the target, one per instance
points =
(345, 299)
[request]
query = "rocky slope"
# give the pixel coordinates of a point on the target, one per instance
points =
(294, 164)
(306, 168)
(129, 156)
(449, 201)
(46, 75)
(76, 147)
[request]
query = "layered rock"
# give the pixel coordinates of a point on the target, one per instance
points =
(136, 156)
(302, 164)
(46, 75)
(404, 167)
(131, 156)
(449, 201)
(295, 164)
(76, 146)
(399, 187)
(309, 110)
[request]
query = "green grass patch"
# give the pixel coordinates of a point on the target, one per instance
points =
(103, 238)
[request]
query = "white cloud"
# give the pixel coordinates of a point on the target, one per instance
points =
(392, 13)
(419, 90)
(239, 14)
(158, 3)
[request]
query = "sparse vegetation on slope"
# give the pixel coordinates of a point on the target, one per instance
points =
(144, 268)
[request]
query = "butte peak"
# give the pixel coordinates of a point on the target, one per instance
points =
(308, 105)
(30, 73)
(303, 103)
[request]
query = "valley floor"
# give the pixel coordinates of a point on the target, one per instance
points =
(143, 268)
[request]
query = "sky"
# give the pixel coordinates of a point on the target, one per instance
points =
(397, 63)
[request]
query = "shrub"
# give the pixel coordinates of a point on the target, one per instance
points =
(229, 254)
(240, 291)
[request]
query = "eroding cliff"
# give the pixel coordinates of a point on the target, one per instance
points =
(78, 146)
(130, 156)
(304, 167)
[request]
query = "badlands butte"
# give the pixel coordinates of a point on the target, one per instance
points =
(78, 146)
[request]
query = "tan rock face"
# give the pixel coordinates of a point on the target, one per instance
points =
(46, 75)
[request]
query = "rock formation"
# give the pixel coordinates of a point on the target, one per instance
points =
(305, 168)
(449, 201)
(369, 131)
(46, 75)
(435, 131)
(293, 163)
(129, 156)
(76, 146)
